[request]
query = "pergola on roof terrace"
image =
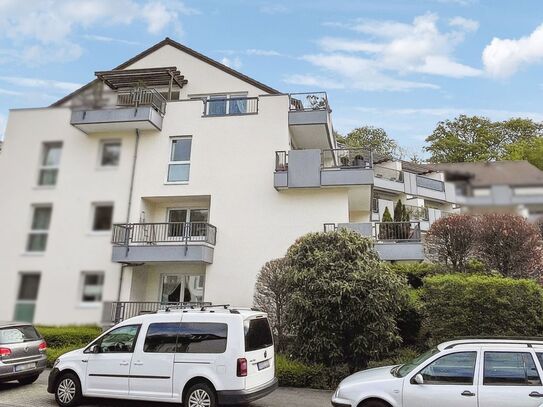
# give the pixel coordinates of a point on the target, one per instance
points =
(150, 77)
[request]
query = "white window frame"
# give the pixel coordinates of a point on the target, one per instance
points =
(101, 154)
(183, 283)
(227, 96)
(31, 230)
(94, 205)
(20, 277)
(43, 167)
(171, 162)
(82, 288)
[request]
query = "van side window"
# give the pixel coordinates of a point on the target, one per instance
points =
(257, 334)
(161, 338)
(196, 337)
(120, 340)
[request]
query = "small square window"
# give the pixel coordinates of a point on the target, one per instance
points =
(93, 284)
(103, 217)
(110, 153)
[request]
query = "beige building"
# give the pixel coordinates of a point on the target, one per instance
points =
(173, 179)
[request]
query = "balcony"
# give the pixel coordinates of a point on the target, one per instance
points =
(114, 312)
(233, 106)
(309, 120)
(393, 240)
(139, 108)
(163, 242)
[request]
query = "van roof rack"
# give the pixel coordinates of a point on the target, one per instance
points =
(223, 306)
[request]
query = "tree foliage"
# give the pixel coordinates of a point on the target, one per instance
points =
(344, 302)
(452, 240)
(530, 149)
(271, 296)
(371, 138)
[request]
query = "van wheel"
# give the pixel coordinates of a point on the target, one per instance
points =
(200, 395)
(68, 390)
(374, 403)
(29, 379)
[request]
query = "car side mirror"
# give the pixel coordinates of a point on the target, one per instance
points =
(94, 349)
(418, 379)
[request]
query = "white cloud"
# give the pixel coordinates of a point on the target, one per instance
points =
(313, 81)
(10, 92)
(341, 44)
(464, 23)
(504, 57)
(272, 8)
(40, 83)
(263, 52)
(102, 38)
(234, 63)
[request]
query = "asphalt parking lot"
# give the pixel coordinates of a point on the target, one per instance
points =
(35, 395)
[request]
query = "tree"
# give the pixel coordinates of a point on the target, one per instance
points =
(344, 302)
(271, 296)
(509, 244)
(386, 231)
(530, 149)
(452, 240)
(520, 129)
(372, 139)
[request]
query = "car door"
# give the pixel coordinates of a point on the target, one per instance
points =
(449, 380)
(151, 369)
(510, 379)
(109, 366)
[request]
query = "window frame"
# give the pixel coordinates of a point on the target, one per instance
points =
(81, 291)
(439, 356)
(32, 231)
(101, 149)
(44, 167)
(94, 207)
(33, 302)
(172, 162)
(535, 360)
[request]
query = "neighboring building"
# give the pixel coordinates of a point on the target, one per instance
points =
(1, 142)
(173, 179)
(501, 186)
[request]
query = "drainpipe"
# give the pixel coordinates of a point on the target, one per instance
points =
(128, 209)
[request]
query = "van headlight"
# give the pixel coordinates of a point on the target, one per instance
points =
(336, 394)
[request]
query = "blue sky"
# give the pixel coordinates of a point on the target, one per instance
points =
(400, 65)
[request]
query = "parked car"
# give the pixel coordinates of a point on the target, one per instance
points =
(201, 357)
(461, 373)
(22, 352)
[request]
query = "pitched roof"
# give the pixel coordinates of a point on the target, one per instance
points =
(181, 47)
(485, 174)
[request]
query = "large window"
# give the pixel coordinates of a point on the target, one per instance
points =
(39, 228)
(179, 165)
(110, 153)
(222, 105)
(510, 369)
(102, 217)
(186, 337)
(257, 334)
(92, 286)
(120, 340)
(49, 164)
(455, 368)
(181, 288)
(179, 218)
(27, 295)
(161, 338)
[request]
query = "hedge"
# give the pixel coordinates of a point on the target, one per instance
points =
(459, 305)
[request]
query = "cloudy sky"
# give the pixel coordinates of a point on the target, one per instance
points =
(400, 65)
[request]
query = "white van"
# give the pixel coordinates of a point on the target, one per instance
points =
(201, 358)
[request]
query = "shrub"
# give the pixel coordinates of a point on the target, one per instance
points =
(292, 373)
(416, 272)
(459, 305)
(510, 245)
(410, 321)
(271, 296)
(403, 355)
(344, 302)
(62, 336)
(452, 240)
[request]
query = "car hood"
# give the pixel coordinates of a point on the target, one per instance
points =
(378, 374)
(72, 354)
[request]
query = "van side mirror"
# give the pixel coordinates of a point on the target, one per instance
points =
(94, 349)
(418, 379)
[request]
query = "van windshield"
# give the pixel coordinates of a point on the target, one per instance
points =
(18, 334)
(257, 334)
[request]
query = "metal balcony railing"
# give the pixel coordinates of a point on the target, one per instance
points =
(417, 212)
(300, 102)
(397, 231)
(114, 312)
(430, 183)
(234, 106)
(388, 173)
(281, 161)
(346, 158)
(142, 97)
(163, 233)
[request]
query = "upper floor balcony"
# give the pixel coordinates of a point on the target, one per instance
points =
(310, 121)
(163, 242)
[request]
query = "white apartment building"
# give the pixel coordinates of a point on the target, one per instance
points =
(173, 179)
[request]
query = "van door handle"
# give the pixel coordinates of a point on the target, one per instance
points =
(468, 393)
(124, 363)
(536, 394)
(138, 363)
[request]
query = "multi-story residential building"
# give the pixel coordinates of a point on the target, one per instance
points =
(500, 186)
(172, 179)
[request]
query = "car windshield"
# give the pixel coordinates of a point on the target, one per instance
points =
(18, 334)
(404, 370)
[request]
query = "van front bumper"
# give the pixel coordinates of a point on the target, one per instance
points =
(230, 397)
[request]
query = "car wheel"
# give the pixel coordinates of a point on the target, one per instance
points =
(68, 390)
(29, 379)
(200, 395)
(374, 403)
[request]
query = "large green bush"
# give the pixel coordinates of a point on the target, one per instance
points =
(344, 302)
(478, 305)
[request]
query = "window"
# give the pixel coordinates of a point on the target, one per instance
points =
(161, 338)
(179, 218)
(257, 334)
(103, 217)
(120, 340)
(39, 229)
(93, 284)
(18, 334)
(26, 297)
(217, 105)
(222, 105)
(179, 165)
(50, 161)
(181, 288)
(510, 369)
(110, 153)
(202, 337)
(455, 368)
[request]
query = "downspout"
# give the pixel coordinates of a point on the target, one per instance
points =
(129, 208)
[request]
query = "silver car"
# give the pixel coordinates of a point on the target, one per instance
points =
(22, 352)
